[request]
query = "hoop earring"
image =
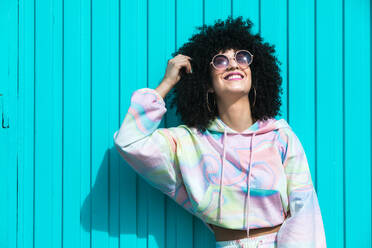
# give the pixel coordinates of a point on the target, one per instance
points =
(208, 102)
(255, 94)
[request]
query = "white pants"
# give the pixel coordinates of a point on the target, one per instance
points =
(262, 241)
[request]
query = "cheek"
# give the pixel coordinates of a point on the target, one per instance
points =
(248, 73)
(215, 77)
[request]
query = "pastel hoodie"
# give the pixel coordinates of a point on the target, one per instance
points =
(256, 178)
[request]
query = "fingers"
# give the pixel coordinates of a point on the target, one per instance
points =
(181, 61)
(182, 56)
(186, 64)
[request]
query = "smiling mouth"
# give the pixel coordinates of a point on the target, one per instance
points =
(234, 76)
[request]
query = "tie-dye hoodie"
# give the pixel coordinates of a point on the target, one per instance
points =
(256, 178)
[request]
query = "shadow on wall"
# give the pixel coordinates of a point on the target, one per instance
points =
(121, 185)
(97, 200)
(100, 210)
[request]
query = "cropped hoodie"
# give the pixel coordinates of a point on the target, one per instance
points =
(256, 178)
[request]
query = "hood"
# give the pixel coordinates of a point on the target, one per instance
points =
(259, 127)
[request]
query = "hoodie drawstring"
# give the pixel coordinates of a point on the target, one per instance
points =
(248, 177)
(221, 181)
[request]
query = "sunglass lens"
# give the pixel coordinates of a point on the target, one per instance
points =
(220, 61)
(243, 58)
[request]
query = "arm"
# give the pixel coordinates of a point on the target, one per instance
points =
(149, 150)
(304, 226)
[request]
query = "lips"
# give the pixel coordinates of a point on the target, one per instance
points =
(234, 76)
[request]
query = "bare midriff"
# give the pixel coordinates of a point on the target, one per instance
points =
(224, 234)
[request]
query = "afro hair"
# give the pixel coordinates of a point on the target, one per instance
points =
(189, 94)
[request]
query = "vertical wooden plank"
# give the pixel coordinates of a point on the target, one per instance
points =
(105, 76)
(189, 15)
(76, 125)
(217, 9)
(248, 9)
(274, 30)
(8, 118)
(112, 108)
(161, 20)
(301, 90)
(48, 124)
(133, 75)
(357, 66)
(171, 222)
(329, 92)
(99, 143)
(26, 149)
(85, 118)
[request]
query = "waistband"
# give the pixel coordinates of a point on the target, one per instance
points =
(251, 242)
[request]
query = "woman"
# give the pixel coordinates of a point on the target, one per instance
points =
(232, 164)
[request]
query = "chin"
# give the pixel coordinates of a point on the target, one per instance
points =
(231, 85)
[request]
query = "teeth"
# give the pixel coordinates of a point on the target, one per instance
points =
(234, 76)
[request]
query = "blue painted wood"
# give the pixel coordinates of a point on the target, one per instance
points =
(329, 109)
(104, 107)
(68, 71)
(26, 134)
(48, 167)
(274, 29)
(8, 128)
(357, 117)
(133, 58)
(76, 123)
(248, 9)
(301, 115)
(217, 9)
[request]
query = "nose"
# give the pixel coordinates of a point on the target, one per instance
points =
(233, 63)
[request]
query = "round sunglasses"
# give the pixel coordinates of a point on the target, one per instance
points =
(242, 57)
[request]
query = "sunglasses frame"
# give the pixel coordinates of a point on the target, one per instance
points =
(228, 59)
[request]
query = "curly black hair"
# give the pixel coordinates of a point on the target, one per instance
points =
(189, 94)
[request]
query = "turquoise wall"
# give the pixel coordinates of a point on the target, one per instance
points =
(69, 67)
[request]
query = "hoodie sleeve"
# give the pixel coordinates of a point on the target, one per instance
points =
(303, 227)
(149, 150)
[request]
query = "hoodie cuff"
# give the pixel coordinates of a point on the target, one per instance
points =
(151, 95)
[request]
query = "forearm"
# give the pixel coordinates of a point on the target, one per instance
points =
(163, 88)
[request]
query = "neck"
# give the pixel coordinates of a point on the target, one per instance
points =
(236, 113)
